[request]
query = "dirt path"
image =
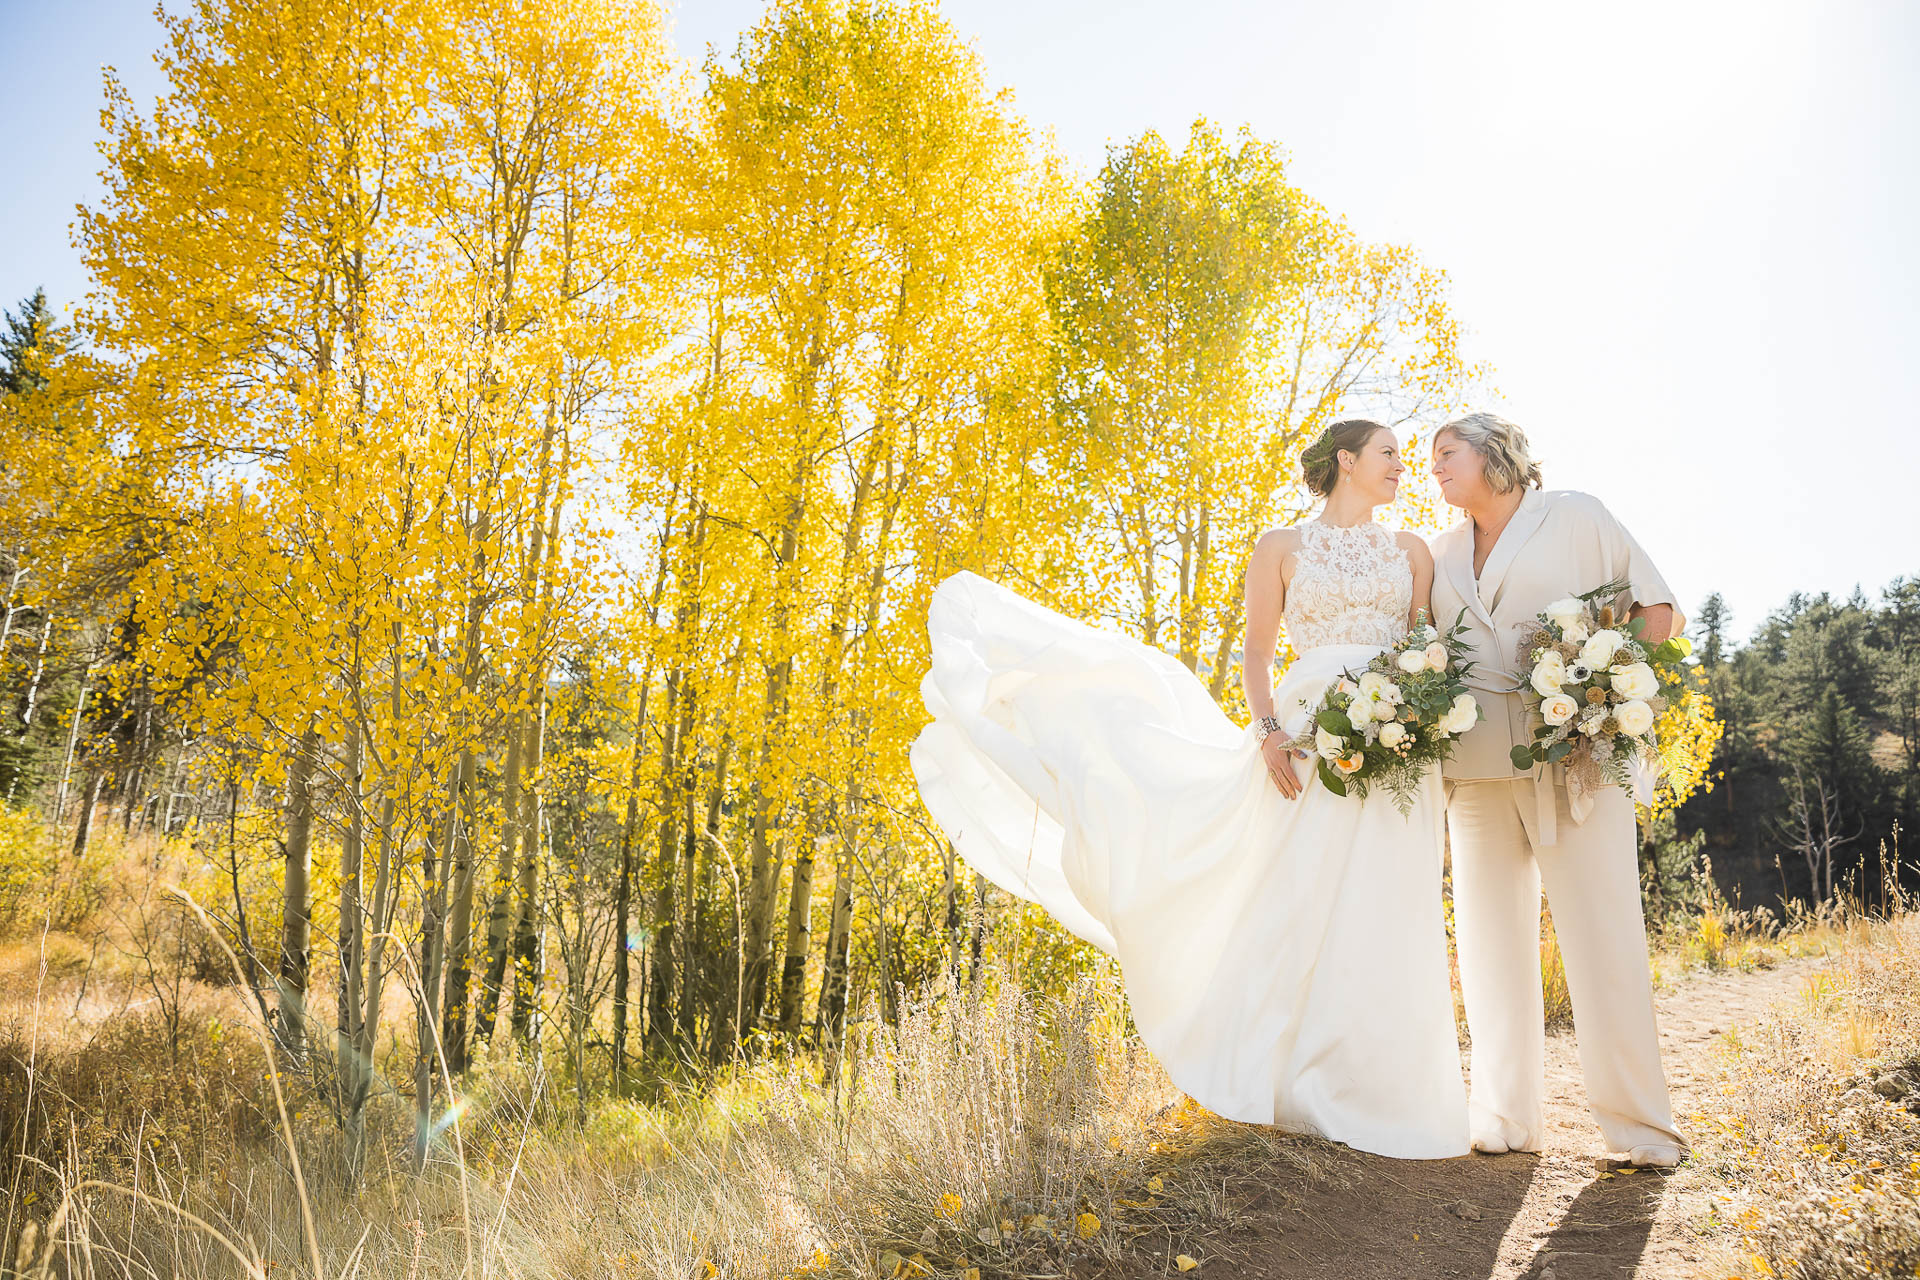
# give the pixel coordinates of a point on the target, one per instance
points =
(1544, 1217)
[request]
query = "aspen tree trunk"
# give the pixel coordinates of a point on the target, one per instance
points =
(696, 869)
(528, 932)
(30, 703)
(829, 1022)
(453, 1016)
(793, 974)
(73, 742)
(765, 875)
(500, 901)
(660, 975)
(1230, 622)
(950, 891)
(296, 910)
(89, 801)
(977, 927)
(436, 867)
(799, 937)
(630, 830)
(623, 925)
(18, 572)
(460, 927)
(354, 1067)
(135, 793)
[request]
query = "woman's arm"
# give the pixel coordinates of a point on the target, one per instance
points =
(1420, 556)
(1266, 596)
(1648, 591)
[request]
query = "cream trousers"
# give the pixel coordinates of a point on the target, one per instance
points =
(1592, 880)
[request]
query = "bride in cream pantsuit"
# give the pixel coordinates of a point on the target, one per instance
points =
(1518, 550)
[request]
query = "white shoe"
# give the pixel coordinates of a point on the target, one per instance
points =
(1491, 1146)
(1654, 1157)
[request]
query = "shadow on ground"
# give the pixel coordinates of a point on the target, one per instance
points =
(1472, 1218)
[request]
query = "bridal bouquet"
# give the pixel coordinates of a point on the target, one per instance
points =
(1597, 690)
(1382, 726)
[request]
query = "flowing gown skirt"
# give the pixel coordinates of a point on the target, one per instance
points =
(1285, 960)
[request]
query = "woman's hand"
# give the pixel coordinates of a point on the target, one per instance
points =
(1280, 765)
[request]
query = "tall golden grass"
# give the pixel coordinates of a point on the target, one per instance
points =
(152, 1130)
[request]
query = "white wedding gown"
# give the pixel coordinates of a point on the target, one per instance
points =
(1286, 960)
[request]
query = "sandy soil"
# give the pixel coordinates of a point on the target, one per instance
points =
(1545, 1217)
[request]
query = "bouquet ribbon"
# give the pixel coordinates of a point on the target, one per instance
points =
(1580, 796)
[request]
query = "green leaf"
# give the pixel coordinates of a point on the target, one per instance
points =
(1334, 721)
(1330, 780)
(1522, 758)
(1558, 752)
(1636, 626)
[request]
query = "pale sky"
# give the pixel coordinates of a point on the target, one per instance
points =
(1682, 233)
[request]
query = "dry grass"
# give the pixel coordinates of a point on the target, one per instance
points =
(992, 1128)
(1815, 1157)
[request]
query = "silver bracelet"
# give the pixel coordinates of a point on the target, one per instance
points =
(1264, 726)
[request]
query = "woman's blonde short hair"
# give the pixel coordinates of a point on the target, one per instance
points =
(1503, 446)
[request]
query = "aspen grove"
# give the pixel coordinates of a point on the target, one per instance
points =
(486, 512)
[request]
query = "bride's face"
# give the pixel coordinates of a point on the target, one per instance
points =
(1376, 471)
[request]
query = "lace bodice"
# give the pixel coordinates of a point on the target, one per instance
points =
(1351, 585)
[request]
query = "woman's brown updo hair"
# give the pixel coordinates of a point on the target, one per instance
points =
(1320, 461)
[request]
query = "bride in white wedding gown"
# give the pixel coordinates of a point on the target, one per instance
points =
(1283, 948)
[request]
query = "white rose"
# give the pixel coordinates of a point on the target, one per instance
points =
(1383, 710)
(1428, 633)
(1372, 683)
(1411, 661)
(1461, 716)
(1600, 648)
(1558, 709)
(1635, 717)
(1575, 634)
(1392, 734)
(1564, 613)
(1391, 694)
(1437, 656)
(1328, 745)
(1591, 725)
(1549, 674)
(1636, 681)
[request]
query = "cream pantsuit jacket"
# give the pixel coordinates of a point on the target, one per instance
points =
(1511, 832)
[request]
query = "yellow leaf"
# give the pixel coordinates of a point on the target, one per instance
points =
(1087, 1226)
(1185, 1263)
(950, 1205)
